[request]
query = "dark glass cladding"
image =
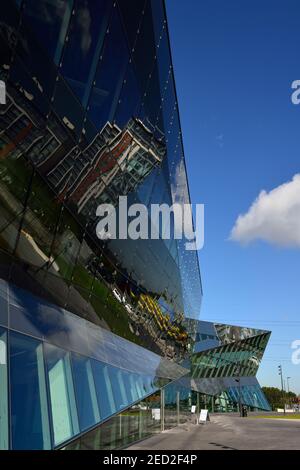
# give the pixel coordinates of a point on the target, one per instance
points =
(91, 114)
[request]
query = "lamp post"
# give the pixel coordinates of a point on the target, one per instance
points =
(288, 385)
(288, 390)
(238, 379)
(282, 389)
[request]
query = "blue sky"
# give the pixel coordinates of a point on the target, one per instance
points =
(234, 63)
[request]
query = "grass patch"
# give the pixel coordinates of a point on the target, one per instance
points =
(279, 416)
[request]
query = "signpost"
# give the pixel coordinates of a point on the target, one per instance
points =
(204, 416)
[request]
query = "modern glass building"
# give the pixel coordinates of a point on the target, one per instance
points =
(96, 336)
(224, 364)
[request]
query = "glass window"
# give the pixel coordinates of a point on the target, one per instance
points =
(148, 384)
(139, 386)
(49, 21)
(38, 65)
(120, 390)
(33, 90)
(3, 391)
(10, 19)
(63, 406)
(3, 302)
(133, 388)
(128, 387)
(110, 74)
(81, 56)
(29, 412)
(129, 100)
(86, 398)
(68, 107)
(103, 388)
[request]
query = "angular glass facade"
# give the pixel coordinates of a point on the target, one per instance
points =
(230, 399)
(224, 364)
(93, 334)
(237, 358)
(91, 114)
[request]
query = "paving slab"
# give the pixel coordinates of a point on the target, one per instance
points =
(226, 432)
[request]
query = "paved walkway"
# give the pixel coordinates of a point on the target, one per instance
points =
(228, 432)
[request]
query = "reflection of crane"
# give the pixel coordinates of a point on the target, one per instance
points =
(39, 251)
(52, 260)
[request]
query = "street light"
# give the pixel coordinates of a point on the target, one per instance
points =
(288, 390)
(282, 390)
(238, 379)
(288, 385)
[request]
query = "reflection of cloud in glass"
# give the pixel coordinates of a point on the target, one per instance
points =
(46, 10)
(84, 23)
(178, 184)
(180, 195)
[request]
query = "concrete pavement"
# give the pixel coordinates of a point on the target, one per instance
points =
(226, 432)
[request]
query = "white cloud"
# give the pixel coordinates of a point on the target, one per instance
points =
(274, 217)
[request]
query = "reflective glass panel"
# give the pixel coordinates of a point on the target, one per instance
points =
(85, 38)
(49, 21)
(63, 405)
(104, 389)
(3, 391)
(110, 73)
(29, 413)
(3, 303)
(88, 411)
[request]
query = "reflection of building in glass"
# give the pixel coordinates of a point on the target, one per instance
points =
(91, 330)
(115, 163)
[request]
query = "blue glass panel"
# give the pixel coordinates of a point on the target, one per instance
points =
(9, 20)
(148, 384)
(21, 77)
(139, 386)
(3, 303)
(32, 315)
(63, 405)
(133, 389)
(68, 107)
(103, 388)
(85, 38)
(110, 74)
(38, 65)
(127, 385)
(129, 100)
(3, 391)
(9, 15)
(49, 21)
(119, 389)
(121, 375)
(88, 411)
(29, 413)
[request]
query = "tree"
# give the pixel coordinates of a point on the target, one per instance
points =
(278, 398)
